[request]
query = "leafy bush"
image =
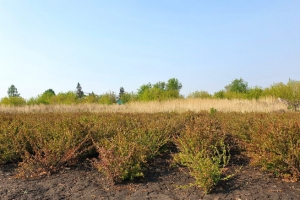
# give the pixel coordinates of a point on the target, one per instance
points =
(31, 101)
(290, 91)
(128, 97)
(212, 110)
(13, 101)
(107, 98)
(203, 151)
(220, 94)
(255, 93)
(160, 91)
(64, 98)
(204, 167)
(200, 94)
(91, 98)
(133, 140)
(45, 98)
(275, 145)
(156, 94)
(10, 141)
(52, 142)
(121, 157)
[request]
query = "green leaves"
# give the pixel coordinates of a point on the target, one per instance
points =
(203, 151)
(238, 86)
(13, 91)
(160, 90)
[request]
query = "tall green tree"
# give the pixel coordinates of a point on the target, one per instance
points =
(13, 91)
(160, 90)
(46, 97)
(79, 91)
(144, 88)
(160, 85)
(49, 92)
(173, 84)
(122, 91)
(238, 86)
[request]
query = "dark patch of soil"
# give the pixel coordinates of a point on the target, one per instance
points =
(161, 182)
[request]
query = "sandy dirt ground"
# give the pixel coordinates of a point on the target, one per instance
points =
(161, 181)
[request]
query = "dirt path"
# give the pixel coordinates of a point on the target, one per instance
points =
(161, 182)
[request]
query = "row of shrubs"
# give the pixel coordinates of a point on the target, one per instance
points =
(122, 145)
(289, 91)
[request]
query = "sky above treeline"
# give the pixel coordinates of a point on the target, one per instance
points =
(105, 45)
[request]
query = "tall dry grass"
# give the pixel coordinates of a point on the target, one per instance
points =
(177, 105)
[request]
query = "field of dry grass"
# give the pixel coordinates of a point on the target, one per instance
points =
(177, 105)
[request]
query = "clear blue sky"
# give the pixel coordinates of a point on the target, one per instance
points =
(104, 45)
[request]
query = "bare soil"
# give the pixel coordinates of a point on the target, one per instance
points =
(161, 181)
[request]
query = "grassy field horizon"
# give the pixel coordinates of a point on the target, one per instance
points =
(176, 105)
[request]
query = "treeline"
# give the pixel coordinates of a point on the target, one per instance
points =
(160, 91)
(147, 92)
(239, 89)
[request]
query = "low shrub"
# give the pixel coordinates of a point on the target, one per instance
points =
(212, 110)
(10, 139)
(52, 142)
(121, 157)
(203, 151)
(275, 146)
(134, 140)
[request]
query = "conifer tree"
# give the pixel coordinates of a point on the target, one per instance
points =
(79, 91)
(13, 91)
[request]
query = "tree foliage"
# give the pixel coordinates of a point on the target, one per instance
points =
(64, 98)
(237, 89)
(289, 91)
(200, 94)
(128, 97)
(144, 88)
(13, 101)
(160, 90)
(220, 94)
(160, 85)
(46, 97)
(49, 92)
(255, 93)
(173, 84)
(238, 86)
(91, 98)
(122, 91)
(79, 91)
(107, 98)
(13, 91)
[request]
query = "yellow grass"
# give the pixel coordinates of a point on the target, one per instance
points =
(177, 105)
